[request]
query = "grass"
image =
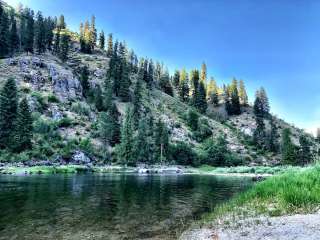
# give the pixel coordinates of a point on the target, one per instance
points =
(247, 169)
(44, 169)
(296, 191)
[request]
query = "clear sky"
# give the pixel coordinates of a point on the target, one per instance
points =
(270, 43)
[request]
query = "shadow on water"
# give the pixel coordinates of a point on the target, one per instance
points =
(111, 206)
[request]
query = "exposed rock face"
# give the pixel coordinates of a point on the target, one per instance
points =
(65, 85)
(80, 157)
(44, 73)
(55, 113)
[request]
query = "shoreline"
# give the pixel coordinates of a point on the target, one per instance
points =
(9, 169)
(282, 207)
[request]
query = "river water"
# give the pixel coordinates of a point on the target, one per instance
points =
(109, 206)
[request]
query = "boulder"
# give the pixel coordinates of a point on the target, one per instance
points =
(80, 157)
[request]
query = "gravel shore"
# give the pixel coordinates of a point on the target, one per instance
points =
(295, 227)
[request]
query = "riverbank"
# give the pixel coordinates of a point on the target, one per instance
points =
(281, 207)
(241, 171)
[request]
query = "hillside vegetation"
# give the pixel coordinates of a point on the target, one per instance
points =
(85, 99)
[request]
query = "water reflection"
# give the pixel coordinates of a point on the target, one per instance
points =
(107, 206)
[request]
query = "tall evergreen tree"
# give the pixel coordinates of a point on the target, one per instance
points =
(165, 83)
(110, 46)
(124, 83)
(305, 155)
(4, 32)
(272, 140)
(13, 36)
(235, 101)
(61, 23)
(203, 77)
(243, 93)
(23, 128)
(64, 46)
(8, 112)
(29, 38)
(195, 78)
(101, 41)
(161, 141)
(137, 95)
(98, 99)
(49, 35)
(176, 79)
(141, 147)
(40, 34)
(259, 135)
(261, 104)
(84, 80)
(126, 148)
(109, 127)
(201, 100)
(184, 86)
(288, 149)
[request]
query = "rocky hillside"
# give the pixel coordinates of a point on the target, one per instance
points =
(54, 92)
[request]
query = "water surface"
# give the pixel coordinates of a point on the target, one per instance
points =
(109, 206)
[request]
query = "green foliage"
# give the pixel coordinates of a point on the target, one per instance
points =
(23, 128)
(81, 108)
(292, 192)
(101, 40)
(84, 80)
(65, 122)
(8, 112)
(4, 32)
(109, 129)
(181, 153)
(193, 119)
(53, 99)
(288, 149)
(126, 148)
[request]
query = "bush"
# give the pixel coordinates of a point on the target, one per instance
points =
(65, 122)
(53, 99)
(40, 99)
(192, 119)
(183, 154)
(80, 108)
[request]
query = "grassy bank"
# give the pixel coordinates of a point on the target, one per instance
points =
(296, 191)
(247, 170)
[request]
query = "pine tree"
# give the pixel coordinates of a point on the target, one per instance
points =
(4, 32)
(235, 101)
(124, 83)
(84, 80)
(49, 35)
(29, 38)
(141, 147)
(203, 77)
(243, 94)
(318, 135)
(259, 135)
(8, 112)
(176, 79)
(214, 98)
(98, 99)
(184, 86)
(23, 128)
(228, 106)
(288, 149)
(61, 23)
(109, 128)
(272, 140)
(137, 95)
(110, 46)
(64, 46)
(13, 36)
(126, 148)
(40, 35)
(305, 155)
(161, 141)
(261, 104)
(93, 32)
(165, 84)
(201, 101)
(150, 74)
(212, 87)
(195, 78)
(101, 41)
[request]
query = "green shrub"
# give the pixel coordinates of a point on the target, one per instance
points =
(53, 99)
(192, 119)
(183, 154)
(40, 99)
(80, 108)
(65, 122)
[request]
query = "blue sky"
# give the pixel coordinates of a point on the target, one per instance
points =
(272, 43)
